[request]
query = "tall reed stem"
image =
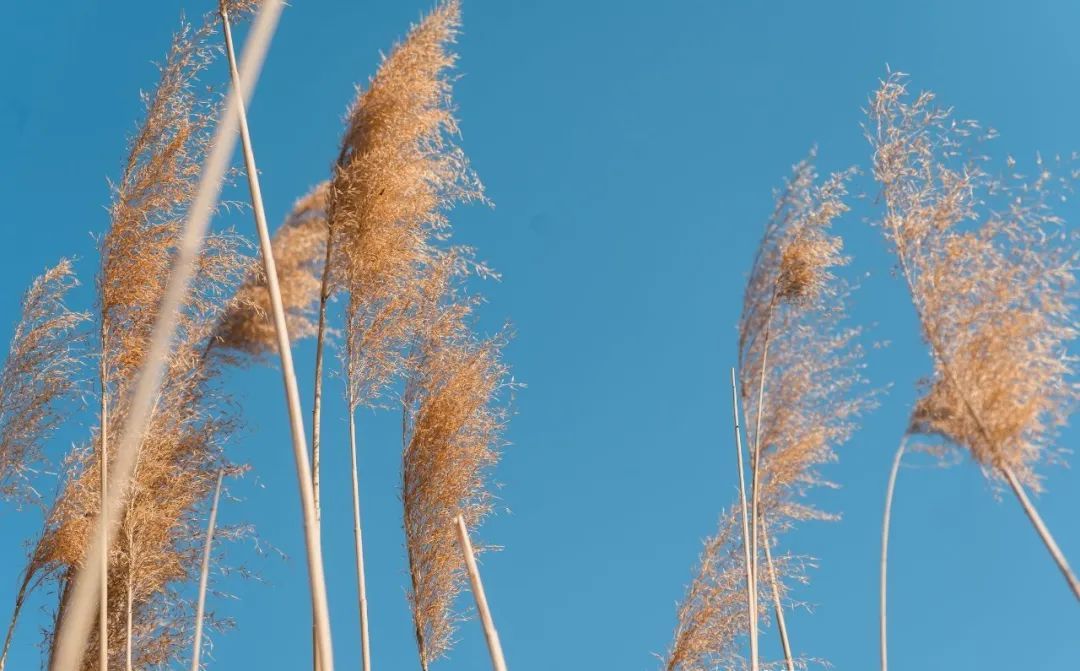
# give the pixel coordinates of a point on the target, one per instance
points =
(774, 581)
(128, 627)
(886, 522)
(204, 575)
(498, 662)
(103, 576)
(316, 406)
(20, 598)
(750, 592)
(1044, 532)
(755, 462)
(365, 641)
(77, 605)
(300, 453)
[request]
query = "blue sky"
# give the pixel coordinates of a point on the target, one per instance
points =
(631, 149)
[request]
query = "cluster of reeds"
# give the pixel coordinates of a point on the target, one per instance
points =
(987, 263)
(990, 270)
(800, 385)
(178, 304)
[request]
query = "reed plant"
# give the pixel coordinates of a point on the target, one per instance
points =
(990, 269)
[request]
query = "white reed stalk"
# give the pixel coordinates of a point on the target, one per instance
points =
(103, 575)
(300, 453)
(1043, 531)
(498, 662)
(365, 641)
(127, 638)
(204, 575)
(751, 596)
(778, 606)
(74, 628)
(755, 463)
(886, 522)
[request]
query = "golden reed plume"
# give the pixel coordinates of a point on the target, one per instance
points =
(180, 450)
(299, 248)
(39, 374)
(990, 270)
(452, 428)
(799, 365)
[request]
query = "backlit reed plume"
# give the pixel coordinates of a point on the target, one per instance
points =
(179, 451)
(714, 614)
(990, 271)
(452, 435)
(38, 378)
(73, 629)
(299, 247)
(799, 365)
(398, 171)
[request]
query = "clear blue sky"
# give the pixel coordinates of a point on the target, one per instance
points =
(631, 149)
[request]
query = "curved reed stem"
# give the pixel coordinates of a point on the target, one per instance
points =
(365, 641)
(204, 576)
(498, 662)
(75, 625)
(300, 453)
(750, 592)
(885, 549)
(20, 599)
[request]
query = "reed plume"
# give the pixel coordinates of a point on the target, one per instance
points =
(73, 629)
(39, 375)
(299, 247)
(714, 613)
(799, 364)
(990, 271)
(397, 173)
(179, 449)
(451, 432)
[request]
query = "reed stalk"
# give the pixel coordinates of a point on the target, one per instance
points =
(300, 453)
(1042, 530)
(103, 575)
(74, 627)
(778, 608)
(885, 525)
(204, 575)
(361, 582)
(498, 662)
(751, 599)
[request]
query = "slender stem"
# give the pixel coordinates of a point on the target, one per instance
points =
(204, 575)
(751, 601)
(778, 607)
(20, 598)
(127, 637)
(365, 642)
(885, 524)
(1040, 527)
(300, 455)
(103, 458)
(316, 409)
(755, 471)
(498, 662)
(76, 623)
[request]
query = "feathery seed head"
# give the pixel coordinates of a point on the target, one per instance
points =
(990, 270)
